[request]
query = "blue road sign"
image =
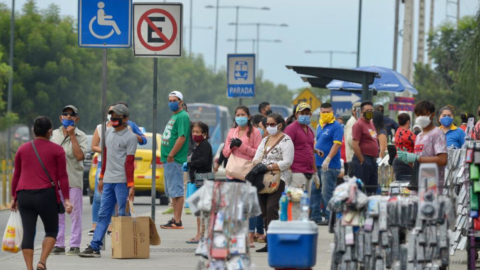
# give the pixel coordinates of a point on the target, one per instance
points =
(342, 101)
(241, 75)
(105, 23)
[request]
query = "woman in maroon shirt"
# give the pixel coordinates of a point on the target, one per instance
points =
(32, 191)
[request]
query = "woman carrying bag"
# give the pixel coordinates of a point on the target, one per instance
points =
(40, 175)
(275, 153)
(240, 147)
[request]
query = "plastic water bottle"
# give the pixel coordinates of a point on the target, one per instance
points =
(304, 205)
(283, 207)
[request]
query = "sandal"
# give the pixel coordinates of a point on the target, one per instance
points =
(261, 239)
(193, 241)
(44, 266)
(251, 245)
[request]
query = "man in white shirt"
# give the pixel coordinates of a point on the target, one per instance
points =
(348, 136)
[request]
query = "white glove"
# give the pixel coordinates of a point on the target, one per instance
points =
(325, 164)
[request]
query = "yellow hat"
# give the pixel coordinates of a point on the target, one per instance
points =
(303, 106)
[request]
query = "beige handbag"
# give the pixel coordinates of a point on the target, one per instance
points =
(271, 179)
(238, 167)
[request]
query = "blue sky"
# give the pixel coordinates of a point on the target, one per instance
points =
(313, 25)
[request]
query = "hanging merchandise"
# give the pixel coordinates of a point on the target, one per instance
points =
(381, 232)
(469, 232)
(226, 208)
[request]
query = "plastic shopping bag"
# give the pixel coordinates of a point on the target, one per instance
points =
(12, 238)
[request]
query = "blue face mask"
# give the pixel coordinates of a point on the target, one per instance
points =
(241, 121)
(173, 106)
(67, 123)
(261, 131)
(304, 119)
(446, 121)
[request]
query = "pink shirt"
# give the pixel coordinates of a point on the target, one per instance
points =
(249, 144)
(303, 142)
(29, 173)
(476, 132)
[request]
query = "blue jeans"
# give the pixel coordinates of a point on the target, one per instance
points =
(112, 194)
(320, 197)
(97, 197)
(256, 223)
(367, 172)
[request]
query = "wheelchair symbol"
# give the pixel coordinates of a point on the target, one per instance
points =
(105, 20)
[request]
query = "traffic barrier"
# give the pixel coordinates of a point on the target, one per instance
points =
(7, 174)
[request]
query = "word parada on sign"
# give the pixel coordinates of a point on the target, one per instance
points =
(157, 29)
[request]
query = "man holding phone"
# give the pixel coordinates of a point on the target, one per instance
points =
(74, 143)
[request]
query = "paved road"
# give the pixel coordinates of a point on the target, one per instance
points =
(173, 253)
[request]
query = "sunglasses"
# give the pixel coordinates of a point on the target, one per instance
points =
(271, 124)
(71, 114)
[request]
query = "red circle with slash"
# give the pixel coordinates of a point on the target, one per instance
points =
(168, 42)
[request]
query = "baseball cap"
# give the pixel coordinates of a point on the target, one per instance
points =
(120, 109)
(356, 104)
(303, 106)
(73, 108)
(176, 94)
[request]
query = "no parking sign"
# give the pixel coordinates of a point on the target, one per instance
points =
(157, 29)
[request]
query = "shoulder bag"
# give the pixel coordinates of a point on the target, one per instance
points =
(238, 167)
(61, 208)
(271, 179)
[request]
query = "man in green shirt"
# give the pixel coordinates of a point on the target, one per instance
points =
(174, 151)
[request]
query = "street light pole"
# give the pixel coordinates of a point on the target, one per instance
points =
(216, 38)
(10, 80)
(359, 32)
(258, 47)
(191, 24)
(236, 34)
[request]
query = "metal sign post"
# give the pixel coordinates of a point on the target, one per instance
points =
(104, 112)
(157, 33)
(154, 137)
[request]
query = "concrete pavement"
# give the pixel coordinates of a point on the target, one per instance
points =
(173, 253)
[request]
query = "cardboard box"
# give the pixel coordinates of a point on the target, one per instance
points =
(132, 237)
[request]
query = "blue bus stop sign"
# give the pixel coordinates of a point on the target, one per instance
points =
(241, 75)
(105, 23)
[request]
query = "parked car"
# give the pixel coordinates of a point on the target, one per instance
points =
(87, 162)
(221, 174)
(143, 171)
(284, 111)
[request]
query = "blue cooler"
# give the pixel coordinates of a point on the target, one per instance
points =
(292, 244)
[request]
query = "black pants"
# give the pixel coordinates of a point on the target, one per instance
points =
(367, 172)
(270, 204)
(34, 203)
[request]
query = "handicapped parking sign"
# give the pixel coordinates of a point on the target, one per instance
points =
(105, 23)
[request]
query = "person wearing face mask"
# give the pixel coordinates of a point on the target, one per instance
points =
(430, 144)
(366, 149)
(264, 108)
(242, 142)
(74, 143)
(97, 148)
(455, 136)
(174, 152)
(348, 136)
(404, 139)
(142, 139)
(275, 153)
(116, 182)
(257, 122)
(464, 117)
(417, 130)
(303, 139)
(32, 191)
(329, 140)
(200, 162)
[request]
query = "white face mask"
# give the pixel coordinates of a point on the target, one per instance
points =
(272, 130)
(423, 121)
(108, 117)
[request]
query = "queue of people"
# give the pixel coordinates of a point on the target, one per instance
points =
(303, 157)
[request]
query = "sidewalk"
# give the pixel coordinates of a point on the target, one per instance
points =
(173, 253)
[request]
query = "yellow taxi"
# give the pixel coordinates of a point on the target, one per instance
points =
(143, 171)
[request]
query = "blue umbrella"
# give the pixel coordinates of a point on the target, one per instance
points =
(389, 81)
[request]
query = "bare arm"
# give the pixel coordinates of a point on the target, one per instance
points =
(178, 144)
(382, 140)
(96, 147)
(440, 159)
(77, 151)
(357, 151)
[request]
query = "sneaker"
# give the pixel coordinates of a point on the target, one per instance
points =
(322, 223)
(91, 232)
(109, 232)
(172, 225)
(73, 251)
(58, 251)
(169, 211)
(188, 211)
(89, 253)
